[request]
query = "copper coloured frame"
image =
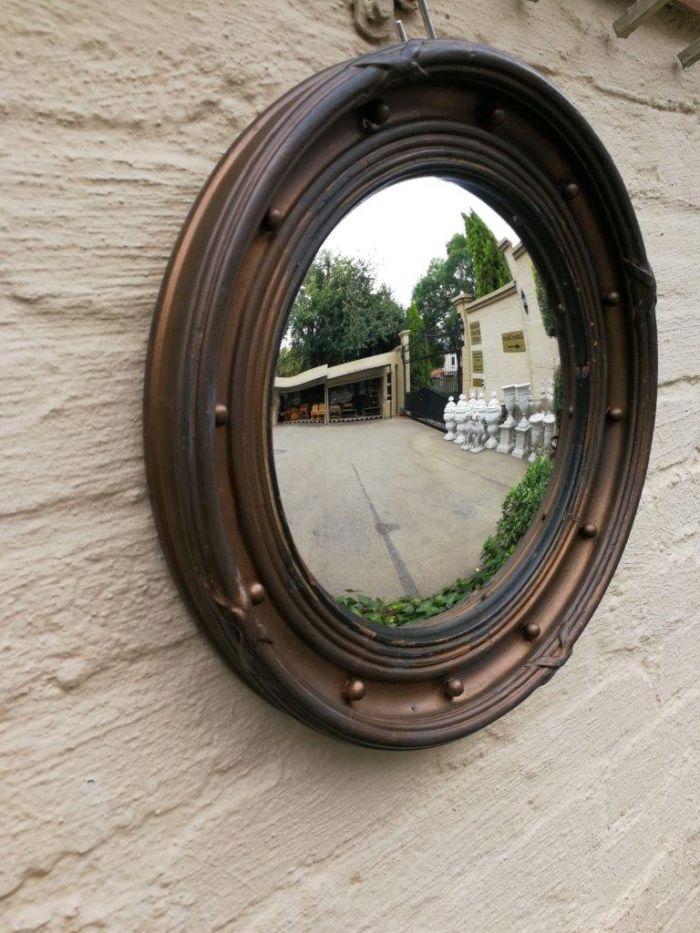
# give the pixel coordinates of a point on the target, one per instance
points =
(478, 117)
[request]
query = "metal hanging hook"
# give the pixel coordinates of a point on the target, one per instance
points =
(427, 22)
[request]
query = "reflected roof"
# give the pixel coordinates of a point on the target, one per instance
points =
(332, 373)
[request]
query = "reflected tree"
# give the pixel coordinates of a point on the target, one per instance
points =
(548, 319)
(446, 278)
(490, 268)
(340, 314)
(421, 364)
(288, 362)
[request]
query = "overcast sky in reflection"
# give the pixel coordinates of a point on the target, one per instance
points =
(403, 227)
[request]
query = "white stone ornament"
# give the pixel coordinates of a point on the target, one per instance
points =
(509, 396)
(460, 418)
(550, 430)
(536, 435)
(523, 403)
(522, 439)
(478, 419)
(549, 397)
(449, 418)
(478, 435)
(506, 437)
(469, 420)
(493, 416)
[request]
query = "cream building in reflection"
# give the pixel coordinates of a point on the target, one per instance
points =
(358, 390)
(505, 342)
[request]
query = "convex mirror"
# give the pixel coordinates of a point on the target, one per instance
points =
(400, 393)
(421, 311)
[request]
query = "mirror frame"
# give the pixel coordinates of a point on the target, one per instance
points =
(478, 117)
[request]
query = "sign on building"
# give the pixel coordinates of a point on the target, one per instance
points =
(513, 342)
(477, 361)
(475, 332)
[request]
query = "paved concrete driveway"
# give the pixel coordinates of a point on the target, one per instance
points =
(388, 508)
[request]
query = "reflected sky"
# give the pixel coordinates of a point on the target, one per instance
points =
(403, 227)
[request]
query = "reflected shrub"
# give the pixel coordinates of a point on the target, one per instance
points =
(519, 508)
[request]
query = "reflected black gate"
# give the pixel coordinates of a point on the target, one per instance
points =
(427, 405)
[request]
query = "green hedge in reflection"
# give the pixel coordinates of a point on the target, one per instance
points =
(558, 394)
(519, 508)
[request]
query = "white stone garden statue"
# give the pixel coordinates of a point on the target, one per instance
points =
(550, 421)
(493, 417)
(478, 420)
(536, 435)
(449, 416)
(507, 428)
(469, 420)
(460, 418)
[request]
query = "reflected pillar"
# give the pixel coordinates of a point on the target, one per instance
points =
(404, 336)
(461, 303)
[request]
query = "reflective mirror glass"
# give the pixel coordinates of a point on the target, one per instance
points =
(416, 402)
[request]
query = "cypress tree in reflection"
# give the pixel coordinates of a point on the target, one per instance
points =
(519, 508)
(490, 268)
(421, 366)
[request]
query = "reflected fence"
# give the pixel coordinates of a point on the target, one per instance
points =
(518, 427)
(427, 405)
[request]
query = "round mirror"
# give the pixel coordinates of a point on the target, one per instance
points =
(417, 394)
(400, 393)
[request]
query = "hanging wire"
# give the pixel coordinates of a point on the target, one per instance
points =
(427, 22)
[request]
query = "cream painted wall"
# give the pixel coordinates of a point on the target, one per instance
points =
(542, 351)
(495, 315)
(500, 313)
(143, 787)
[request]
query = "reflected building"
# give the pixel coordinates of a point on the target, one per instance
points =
(505, 341)
(359, 390)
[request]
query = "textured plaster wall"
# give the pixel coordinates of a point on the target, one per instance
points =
(144, 788)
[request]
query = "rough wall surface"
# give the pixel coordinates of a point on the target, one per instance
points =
(144, 788)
